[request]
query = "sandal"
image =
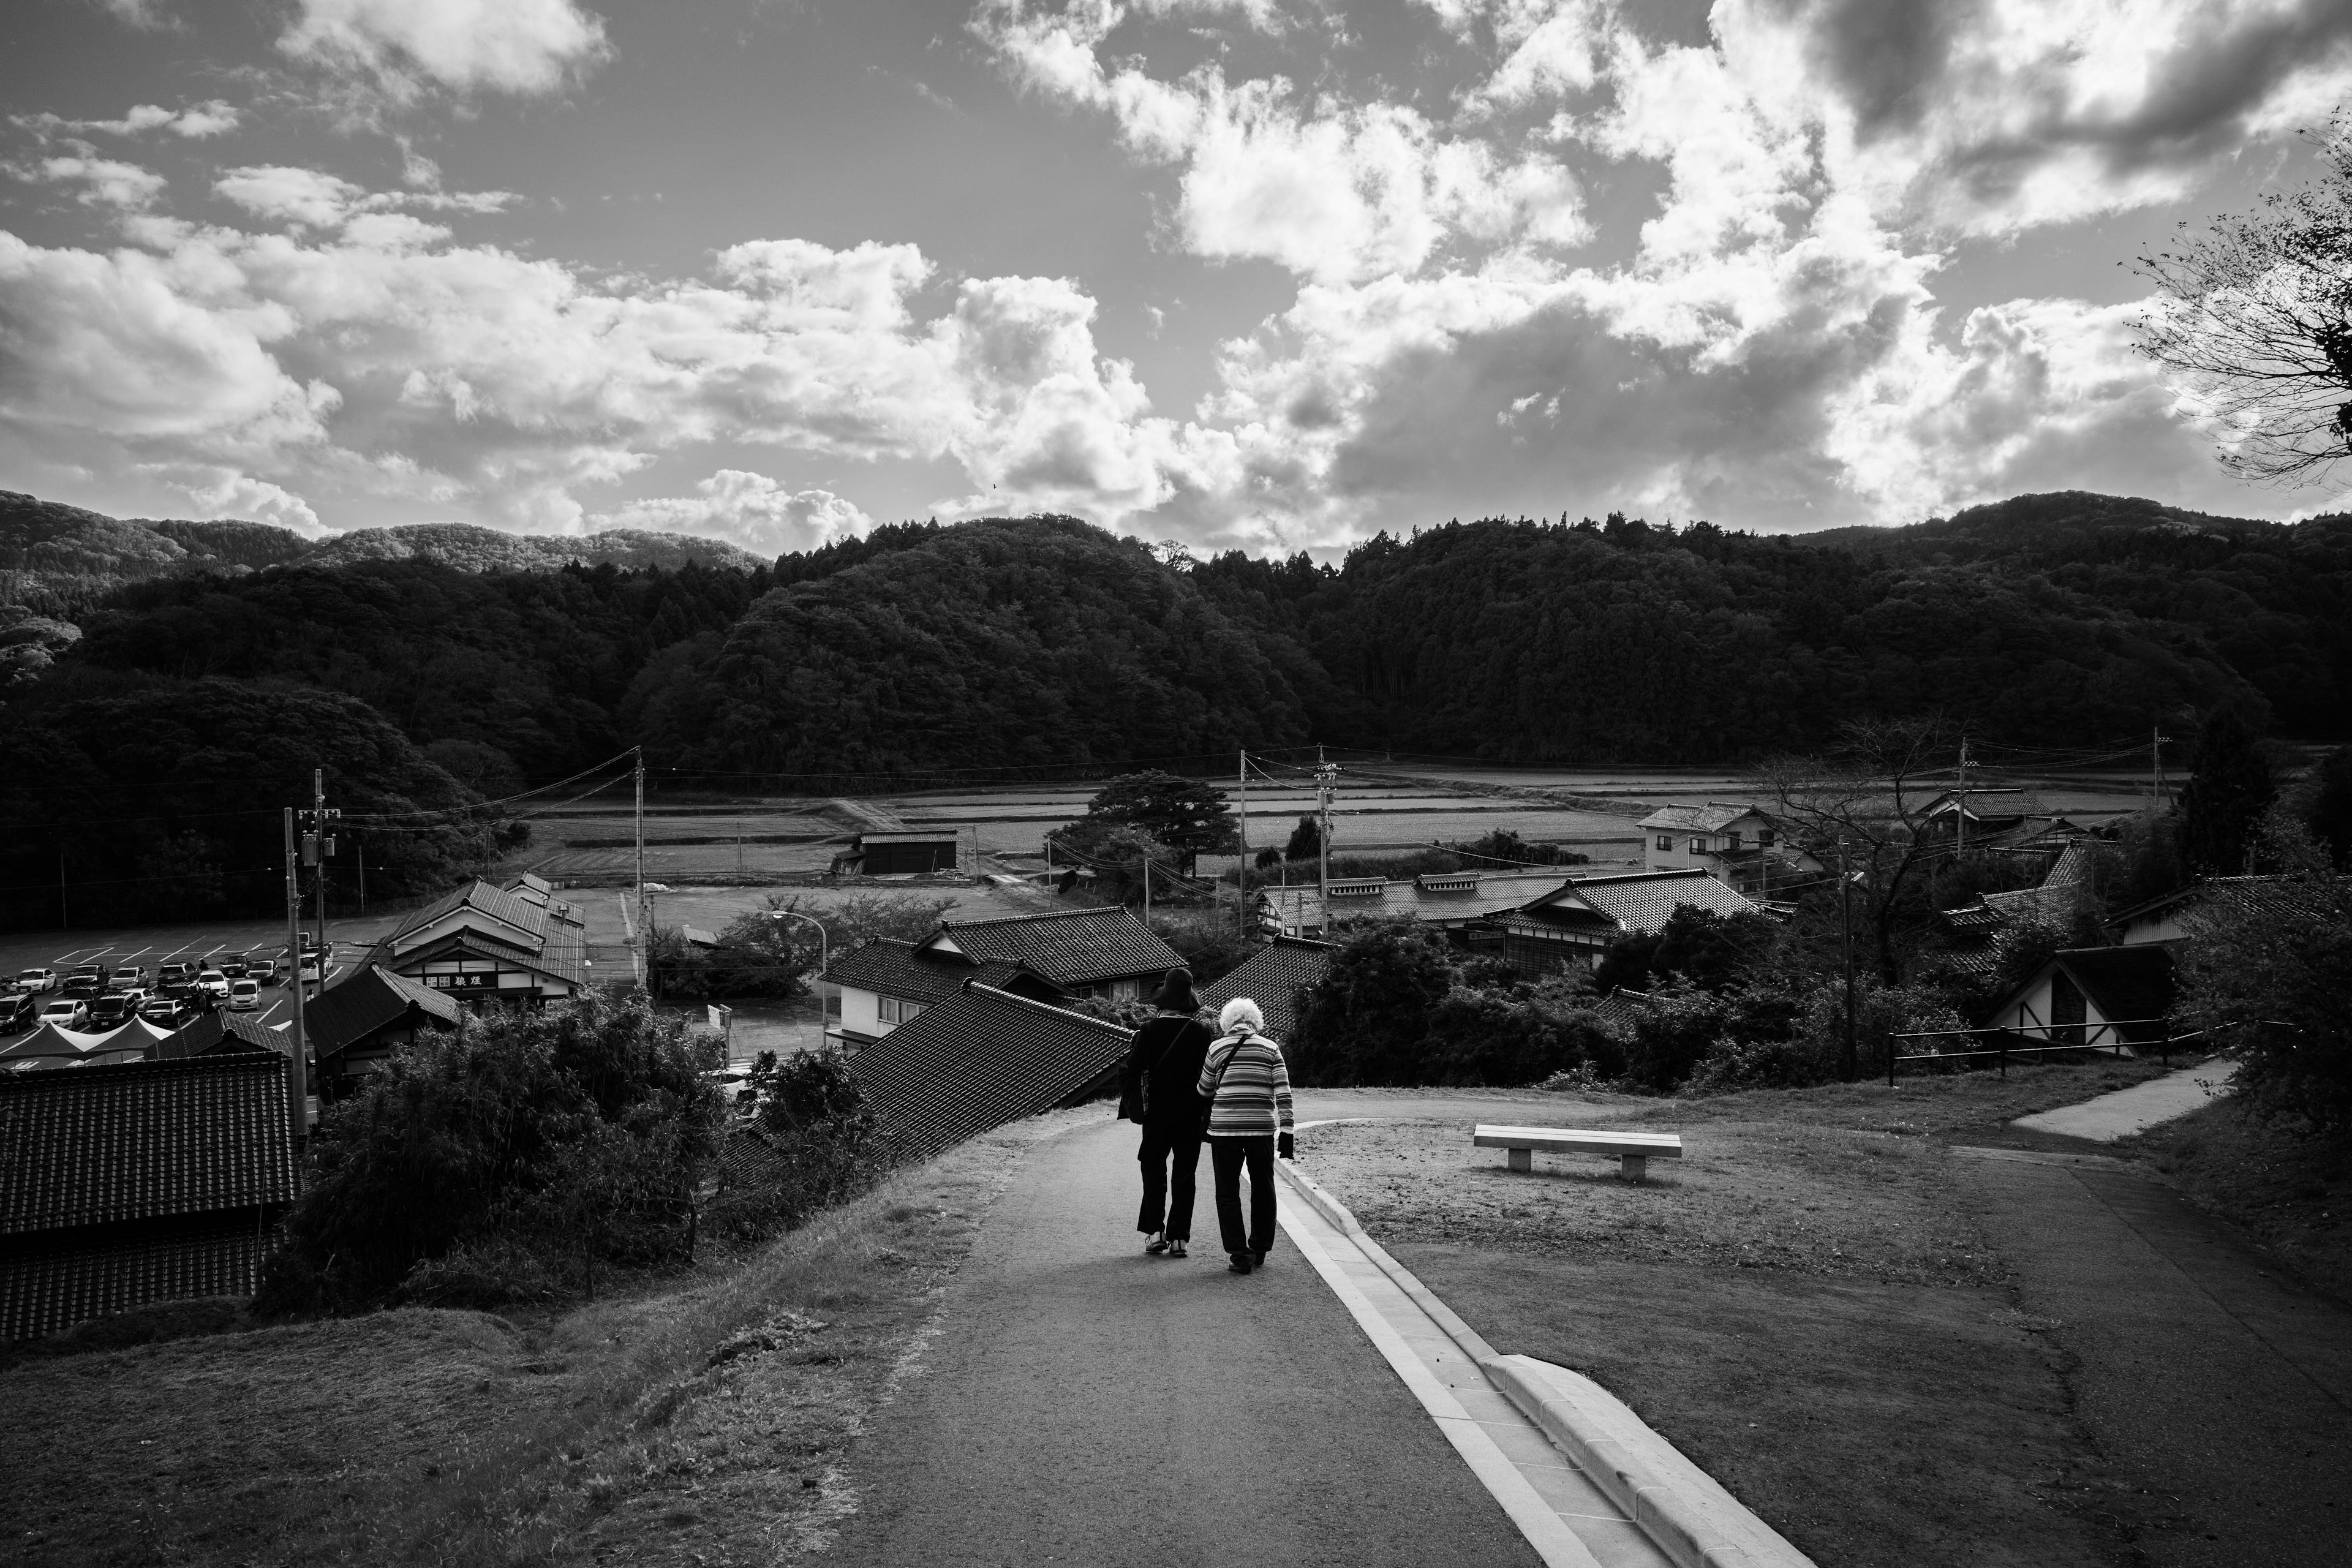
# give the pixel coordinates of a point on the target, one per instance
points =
(1158, 1243)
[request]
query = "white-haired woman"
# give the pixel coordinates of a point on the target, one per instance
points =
(1248, 1090)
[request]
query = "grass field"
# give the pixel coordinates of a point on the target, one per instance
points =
(1807, 1305)
(697, 1419)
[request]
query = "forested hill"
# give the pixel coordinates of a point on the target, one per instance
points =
(2046, 619)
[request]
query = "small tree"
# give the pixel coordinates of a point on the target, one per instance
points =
(1189, 817)
(1306, 840)
(2230, 787)
(2331, 807)
(1366, 1021)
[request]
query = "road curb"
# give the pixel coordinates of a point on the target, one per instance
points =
(1678, 1505)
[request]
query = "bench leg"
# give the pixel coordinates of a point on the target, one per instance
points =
(1522, 1159)
(1632, 1167)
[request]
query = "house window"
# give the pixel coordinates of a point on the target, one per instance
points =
(1731, 840)
(1666, 842)
(1763, 839)
(893, 1011)
(1122, 990)
(1698, 846)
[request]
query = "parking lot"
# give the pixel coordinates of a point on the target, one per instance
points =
(152, 947)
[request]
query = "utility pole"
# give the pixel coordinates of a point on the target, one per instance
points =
(2156, 740)
(1964, 799)
(1243, 919)
(316, 845)
(299, 1045)
(645, 932)
(1845, 941)
(363, 854)
(1147, 889)
(1324, 774)
(61, 889)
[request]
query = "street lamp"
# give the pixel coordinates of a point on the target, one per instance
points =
(823, 961)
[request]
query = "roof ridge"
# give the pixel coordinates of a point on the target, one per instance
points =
(1103, 1024)
(946, 924)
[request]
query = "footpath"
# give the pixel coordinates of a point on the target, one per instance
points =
(2217, 1393)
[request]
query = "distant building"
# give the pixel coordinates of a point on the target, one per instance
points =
(1105, 953)
(366, 1016)
(1272, 977)
(874, 987)
(484, 946)
(1575, 924)
(219, 1033)
(146, 1182)
(899, 854)
(1738, 843)
(1462, 904)
(2091, 996)
(2163, 920)
(981, 1057)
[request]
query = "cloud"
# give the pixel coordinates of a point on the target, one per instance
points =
(196, 122)
(104, 182)
(215, 491)
(749, 510)
(525, 47)
(360, 351)
(1331, 191)
(142, 14)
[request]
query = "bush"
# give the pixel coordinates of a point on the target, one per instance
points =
(1510, 1033)
(1368, 1020)
(578, 1132)
(2272, 980)
(811, 1141)
(1210, 941)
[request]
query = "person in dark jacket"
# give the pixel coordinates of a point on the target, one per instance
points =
(1163, 1066)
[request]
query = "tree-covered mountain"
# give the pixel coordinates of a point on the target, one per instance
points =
(988, 644)
(470, 548)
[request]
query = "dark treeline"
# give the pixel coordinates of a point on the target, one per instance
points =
(1045, 643)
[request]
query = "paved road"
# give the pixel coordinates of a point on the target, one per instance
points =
(2139, 1108)
(1088, 1405)
(2219, 1395)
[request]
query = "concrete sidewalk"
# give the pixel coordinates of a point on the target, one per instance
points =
(1086, 1403)
(2139, 1108)
(2219, 1395)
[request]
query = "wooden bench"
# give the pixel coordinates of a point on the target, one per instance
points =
(1634, 1151)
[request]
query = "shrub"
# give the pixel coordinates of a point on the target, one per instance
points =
(1366, 1021)
(580, 1131)
(1508, 1033)
(2273, 980)
(811, 1141)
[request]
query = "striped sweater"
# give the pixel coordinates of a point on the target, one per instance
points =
(1251, 1092)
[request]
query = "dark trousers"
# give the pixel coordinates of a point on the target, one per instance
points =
(1226, 1157)
(1168, 1205)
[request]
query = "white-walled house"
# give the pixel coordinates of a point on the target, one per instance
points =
(2091, 996)
(1738, 843)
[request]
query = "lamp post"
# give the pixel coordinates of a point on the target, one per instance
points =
(823, 961)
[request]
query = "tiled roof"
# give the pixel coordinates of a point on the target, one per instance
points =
(1272, 977)
(565, 954)
(1642, 901)
(979, 1059)
(1496, 892)
(2301, 898)
(52, 1282)
(218, 1032)
(507, 908)
(142, 1140)
(1712, 817)
(2048, 901)
(1074, 948)
(364, 1001)
(892, 968)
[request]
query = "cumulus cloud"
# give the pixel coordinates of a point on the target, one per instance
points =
(525, 47)
(749, 510)
(102, 182)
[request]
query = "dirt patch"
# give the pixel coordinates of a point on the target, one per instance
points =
(699, 1422)
(1958, 1107)
(1870, 1424)
(2290, 1193)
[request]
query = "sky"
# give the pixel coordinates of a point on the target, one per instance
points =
(1265, 274)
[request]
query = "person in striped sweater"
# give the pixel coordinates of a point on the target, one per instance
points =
(1248, 1090)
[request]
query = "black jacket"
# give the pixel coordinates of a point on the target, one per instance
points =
(1163, 1067)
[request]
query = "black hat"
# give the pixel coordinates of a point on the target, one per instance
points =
(1176, 994)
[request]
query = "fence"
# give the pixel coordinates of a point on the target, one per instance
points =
(2003, 1050)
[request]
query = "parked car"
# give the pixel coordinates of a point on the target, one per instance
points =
(19, 1011)
(166, 1012)
(176, 973)
(306, 940)
(82, 987)
(95, 971)
(65, 1012)
(309, 969)
(111, 1011)
(243, 994)
(131, 977)
(37, 980)
(263, 970)
(231, 964)
(213, 985)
